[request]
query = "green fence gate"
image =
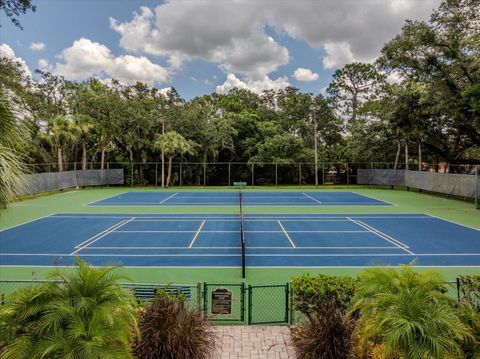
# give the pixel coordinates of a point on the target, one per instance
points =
(268, 304)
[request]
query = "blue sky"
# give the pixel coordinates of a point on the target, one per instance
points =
(205, 46)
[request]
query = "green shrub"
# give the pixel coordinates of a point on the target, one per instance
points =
(84, 314)
(409, 314)
(328, 335)
(311, 292)
(169, 330)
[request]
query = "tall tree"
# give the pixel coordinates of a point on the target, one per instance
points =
(59, 132)
(354, 85)
(443, 55)
(173, 144)
(82, 126)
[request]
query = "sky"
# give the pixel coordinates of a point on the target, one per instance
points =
(205, 46)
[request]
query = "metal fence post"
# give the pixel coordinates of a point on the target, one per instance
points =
(156, 174)
(323, 174)
(229, 174)
(458, 289)
(131, 184)
(292, 312)
(300, 175)
(199, 295)
(204, 174)
(250, 305)
(253, 175)
(180, 174)
(276, 174)
(205, 301)
(348, 175)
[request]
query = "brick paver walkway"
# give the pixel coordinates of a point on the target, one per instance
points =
(254, 342)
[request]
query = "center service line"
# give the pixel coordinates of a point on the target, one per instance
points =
(284, 231)
(196, 234)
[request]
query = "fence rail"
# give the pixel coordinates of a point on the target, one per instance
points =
(254, 173)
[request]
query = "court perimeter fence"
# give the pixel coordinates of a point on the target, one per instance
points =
(225, 303)
(456, 180)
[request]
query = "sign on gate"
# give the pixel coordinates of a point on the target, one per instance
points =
(221, 301)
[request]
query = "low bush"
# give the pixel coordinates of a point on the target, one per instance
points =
(408, 315)
(169, 330)
(84, 313)
(311, 293)
(327, 335)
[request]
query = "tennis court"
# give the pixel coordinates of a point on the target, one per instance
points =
(191, 240)
(211, 198)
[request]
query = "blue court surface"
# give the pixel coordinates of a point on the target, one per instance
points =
(233, 198)
(172, 240)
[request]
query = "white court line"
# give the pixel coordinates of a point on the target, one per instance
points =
(217, 204)
(124, 222)
(30, 221)
(237, 231)
(316, 200)
(458, 224)
(383, 236)
(100, 233)
(103, 199)
(270, 217)
(286, 233)
(196, 234)
(373, 229)
(376, 199)
(248, 247)
(254, 255)
(166, 199)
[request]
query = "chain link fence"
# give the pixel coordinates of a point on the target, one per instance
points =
(234, 302)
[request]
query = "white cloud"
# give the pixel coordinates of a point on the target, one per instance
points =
(305, 75)
(86, 58)
(256, 86)
(337, 55)
(43, 64)
(233, 34)
(37, 46)
(7, 51)
(226, 33)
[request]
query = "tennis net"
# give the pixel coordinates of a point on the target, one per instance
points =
(242, 233)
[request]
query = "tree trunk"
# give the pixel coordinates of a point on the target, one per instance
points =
(397, 157)
(406, 155)
(102, 158)
(84, 156)
(169, 171)
(60, 159)
(419, 156)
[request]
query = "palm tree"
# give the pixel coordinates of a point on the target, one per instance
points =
(84, 313)
(60, 130)
(12, 169)
(173, 144)
(82, 125)
(408, 314)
